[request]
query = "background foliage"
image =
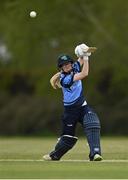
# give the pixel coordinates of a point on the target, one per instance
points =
(28, 52)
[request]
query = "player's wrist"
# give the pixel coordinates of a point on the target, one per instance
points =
(85, 58)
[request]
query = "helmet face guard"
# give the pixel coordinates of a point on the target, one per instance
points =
(64, 59)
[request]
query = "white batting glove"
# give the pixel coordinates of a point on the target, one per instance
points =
(79, 51)
(84, 47)
(83, 50)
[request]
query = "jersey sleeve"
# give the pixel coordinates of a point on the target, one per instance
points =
(67, 80)
(77, 66)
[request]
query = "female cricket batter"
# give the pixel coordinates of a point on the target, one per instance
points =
(76, 108)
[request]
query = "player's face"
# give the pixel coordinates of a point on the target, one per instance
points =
(67, 67)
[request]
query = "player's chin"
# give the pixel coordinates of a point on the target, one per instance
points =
(68, 70)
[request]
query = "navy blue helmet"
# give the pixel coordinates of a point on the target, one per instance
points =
(64, 59)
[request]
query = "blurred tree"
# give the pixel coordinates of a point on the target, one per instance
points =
(29, 48)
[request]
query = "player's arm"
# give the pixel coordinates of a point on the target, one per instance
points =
(83, 52)
(85, 69)
(81, 61)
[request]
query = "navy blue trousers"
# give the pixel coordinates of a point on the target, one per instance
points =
(86, 116)
(72, 116)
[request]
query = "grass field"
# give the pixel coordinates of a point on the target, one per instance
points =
(22, 158)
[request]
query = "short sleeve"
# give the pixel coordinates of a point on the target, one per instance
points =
(77, 67)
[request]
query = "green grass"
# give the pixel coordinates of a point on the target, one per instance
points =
(34, 148)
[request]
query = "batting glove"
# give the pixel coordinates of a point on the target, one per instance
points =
(84, 47)
(78, 51)
(83, 50)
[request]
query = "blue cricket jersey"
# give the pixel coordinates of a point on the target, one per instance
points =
(72, 90)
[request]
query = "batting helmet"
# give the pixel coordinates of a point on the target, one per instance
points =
(64, 59)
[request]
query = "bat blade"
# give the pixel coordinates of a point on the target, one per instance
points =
(91, 49)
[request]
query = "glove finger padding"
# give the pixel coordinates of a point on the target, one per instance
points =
(84, 47)
(79, 52)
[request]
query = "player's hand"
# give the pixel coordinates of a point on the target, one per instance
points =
(83, 50)
(78, 51)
